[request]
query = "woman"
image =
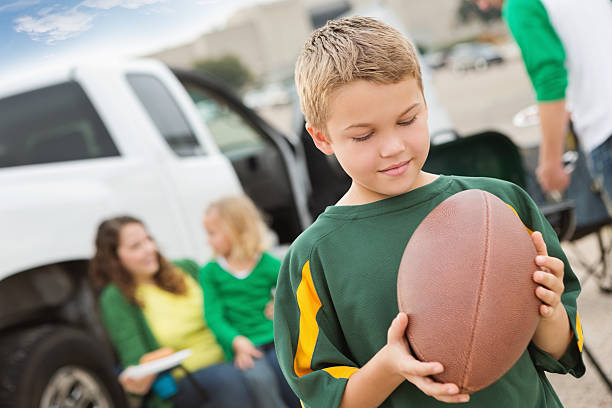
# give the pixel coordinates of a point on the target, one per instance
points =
(151, 308)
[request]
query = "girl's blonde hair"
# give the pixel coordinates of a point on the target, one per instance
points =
(248, 233)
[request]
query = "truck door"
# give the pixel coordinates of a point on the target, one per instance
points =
(196, 174)
(268, 166)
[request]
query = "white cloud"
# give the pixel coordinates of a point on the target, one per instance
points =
(109, 4)
(45, 11)
(54, 27)
(51, 26)
(18, 5)
(206, 2)
(161, 10)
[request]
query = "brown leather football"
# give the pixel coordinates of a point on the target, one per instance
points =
(465, 281)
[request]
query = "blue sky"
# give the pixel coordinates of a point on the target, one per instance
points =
(47, 32)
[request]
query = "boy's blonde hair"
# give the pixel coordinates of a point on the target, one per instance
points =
(244, 224)
(346, 50)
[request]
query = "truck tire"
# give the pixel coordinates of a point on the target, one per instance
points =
(56, 366)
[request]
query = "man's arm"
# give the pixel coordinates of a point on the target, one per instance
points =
(553, 124)
(544, 57)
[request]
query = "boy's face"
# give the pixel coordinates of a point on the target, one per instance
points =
(379, 135)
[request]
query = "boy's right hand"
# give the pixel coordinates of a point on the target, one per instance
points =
(244, 352)
(405, 365)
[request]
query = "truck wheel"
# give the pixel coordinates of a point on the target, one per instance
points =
(56, 366)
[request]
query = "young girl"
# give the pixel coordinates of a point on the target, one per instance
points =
(238, 286)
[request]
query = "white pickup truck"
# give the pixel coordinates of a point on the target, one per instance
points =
(94, 141)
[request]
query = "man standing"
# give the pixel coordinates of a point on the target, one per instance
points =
(567, 49)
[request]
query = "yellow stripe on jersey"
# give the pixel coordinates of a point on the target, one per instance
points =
(309, 304)
(512, 208)
(341, 371)
(580, 340)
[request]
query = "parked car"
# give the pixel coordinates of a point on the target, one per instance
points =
(472, 56)
(93, 141)
(274, 94)
(435, 59)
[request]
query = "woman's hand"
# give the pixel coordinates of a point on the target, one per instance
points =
(244, 352)
(141, 386)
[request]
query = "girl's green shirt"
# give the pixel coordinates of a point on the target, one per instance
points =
(235, 306)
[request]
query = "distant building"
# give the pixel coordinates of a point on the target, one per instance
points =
(267, 37)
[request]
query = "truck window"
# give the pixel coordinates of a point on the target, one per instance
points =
(52, 124)
(166, 114)
(232, 133)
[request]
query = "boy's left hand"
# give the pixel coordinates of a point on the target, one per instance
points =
(549, 278)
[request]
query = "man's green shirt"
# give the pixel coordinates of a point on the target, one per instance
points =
(337, 295)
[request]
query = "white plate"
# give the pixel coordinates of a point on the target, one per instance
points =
(157, 366)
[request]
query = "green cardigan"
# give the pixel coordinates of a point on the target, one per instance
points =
(128, 330)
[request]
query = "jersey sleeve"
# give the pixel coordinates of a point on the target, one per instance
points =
(541, 48)
(309, 343)
(571, 362)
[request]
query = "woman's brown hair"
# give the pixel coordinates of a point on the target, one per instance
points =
(106, 268)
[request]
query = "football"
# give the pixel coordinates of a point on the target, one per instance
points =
(465, 281)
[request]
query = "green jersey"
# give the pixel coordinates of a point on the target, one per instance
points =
(337, 295)
(235, 306)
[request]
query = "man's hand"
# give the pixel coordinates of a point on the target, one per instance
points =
(245, 352)
(552, 176)
(415, 371)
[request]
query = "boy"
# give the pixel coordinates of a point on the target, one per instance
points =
(337, 336)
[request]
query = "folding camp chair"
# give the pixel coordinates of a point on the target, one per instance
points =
(492, 154)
